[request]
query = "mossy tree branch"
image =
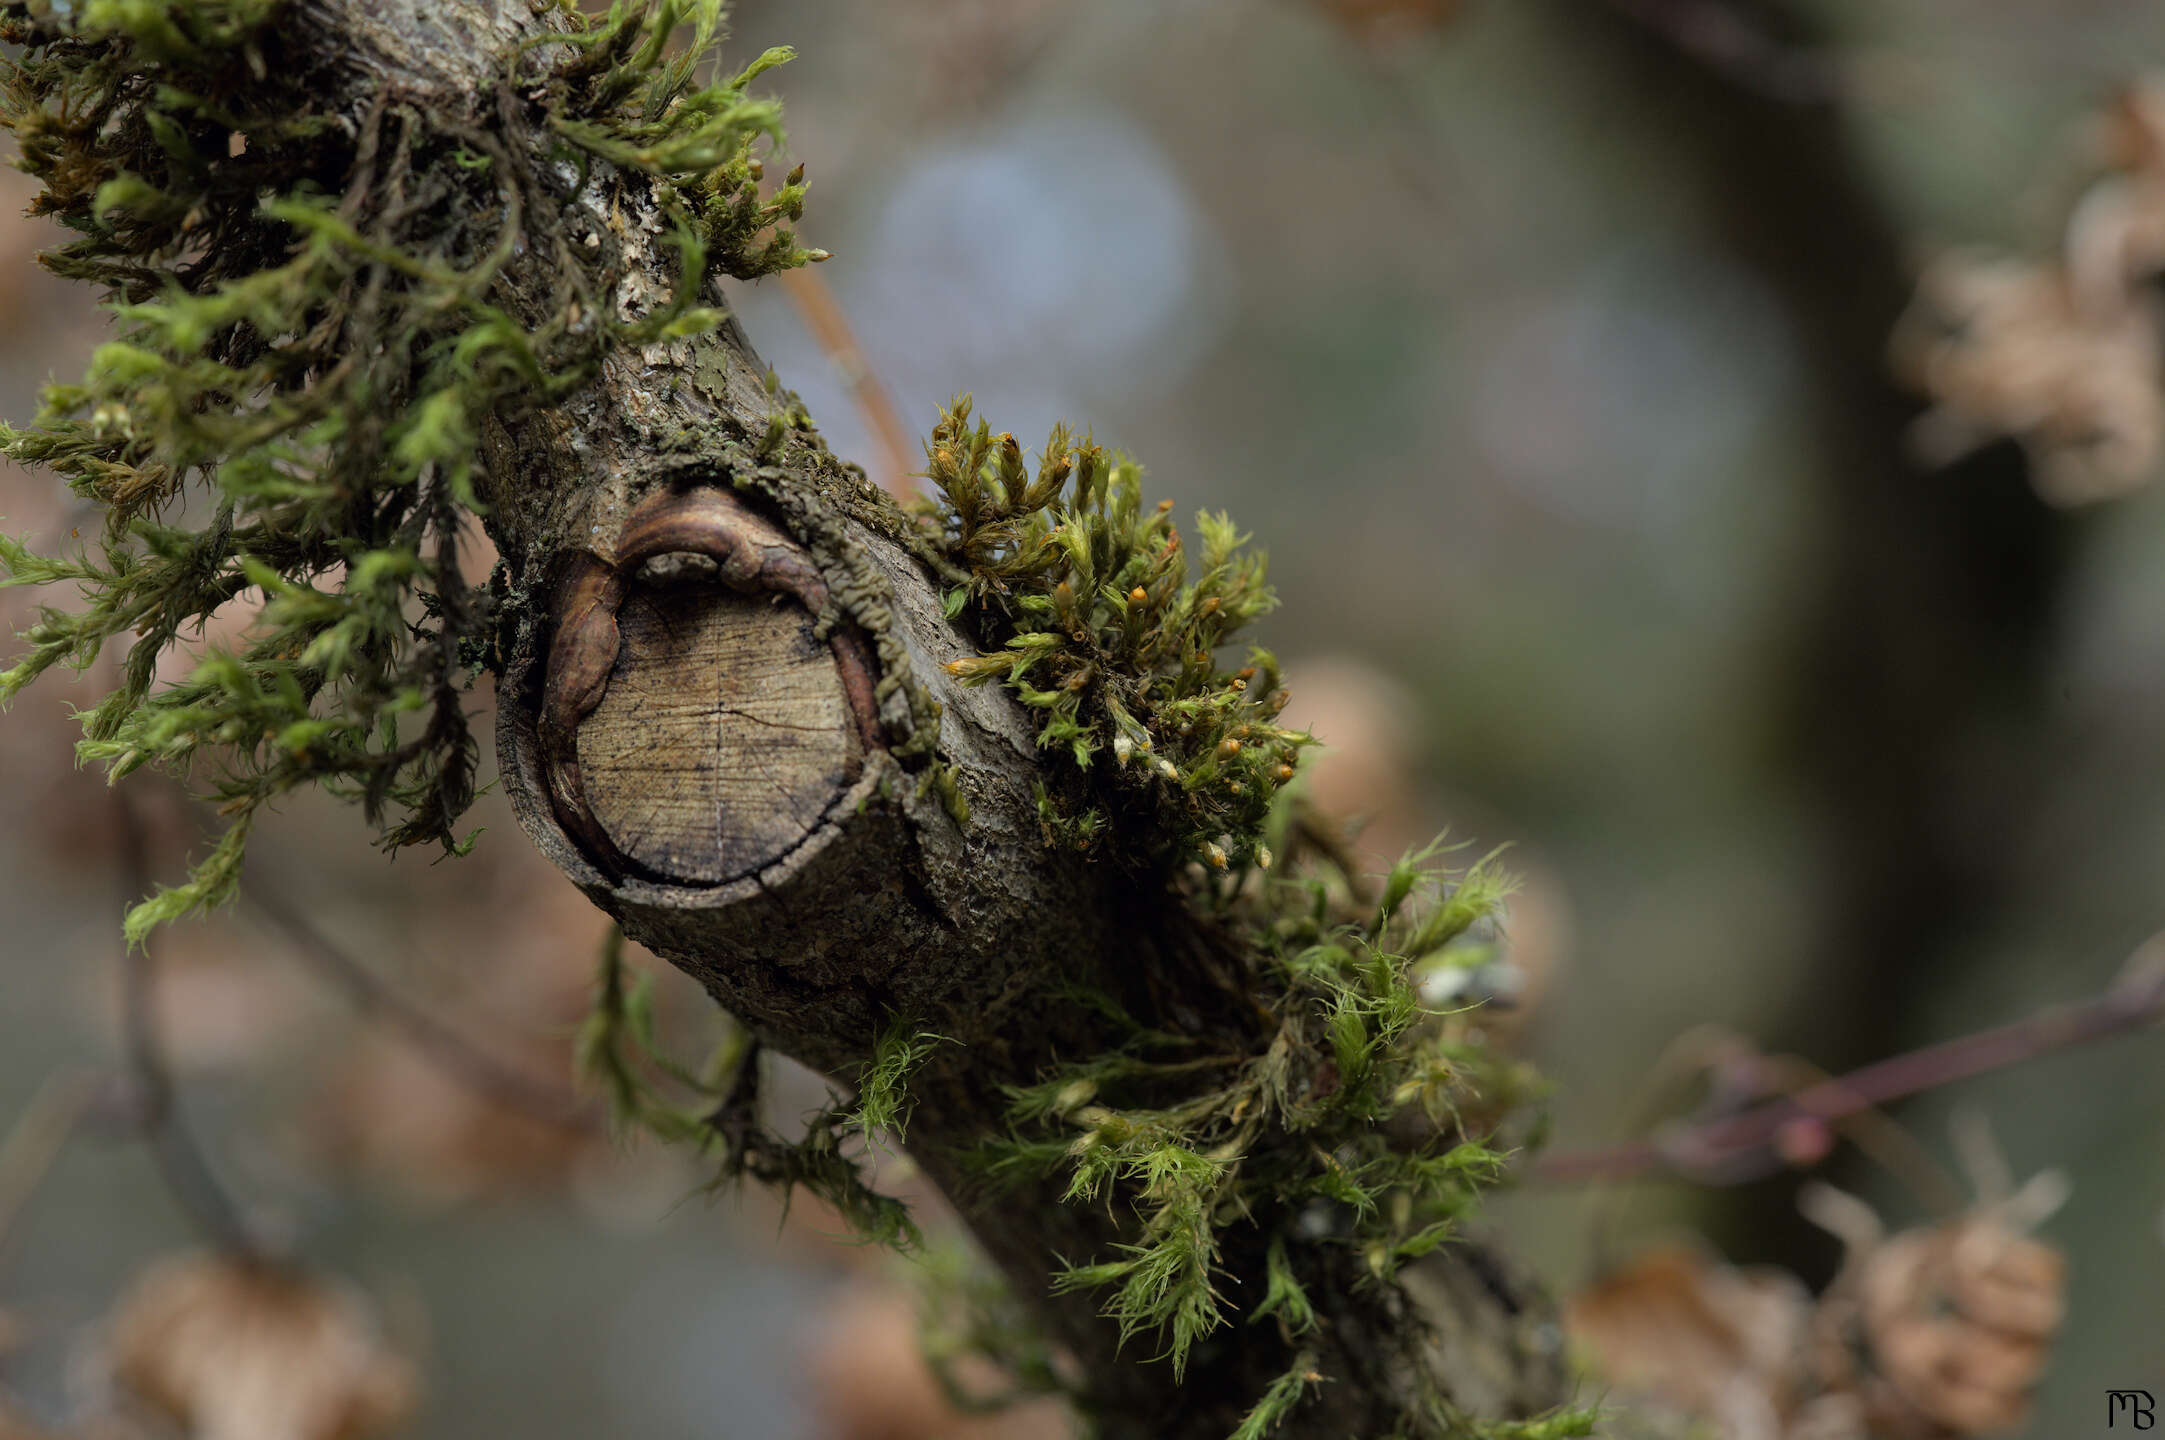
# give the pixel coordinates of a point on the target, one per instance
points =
(746, 702)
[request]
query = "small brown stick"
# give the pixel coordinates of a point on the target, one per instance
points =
(1718, 36)
(39, 1134)
(1739, 1147)
(822, 315)
(440, 1044)
(188, 1177)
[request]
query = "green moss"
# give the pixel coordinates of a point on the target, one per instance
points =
(713, 1107)
(619, 1054)
(1311, 1137)
(882, 1095)
(1353, 1136)
(312, 326)
(1570, 1422)
(1281, 1399)
(1083, 593)
(315, 325)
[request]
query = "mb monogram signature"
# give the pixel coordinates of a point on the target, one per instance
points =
(2133, 1405)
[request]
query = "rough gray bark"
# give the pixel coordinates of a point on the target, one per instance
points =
(814, 882)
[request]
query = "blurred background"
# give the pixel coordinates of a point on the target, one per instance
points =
(1544, 343)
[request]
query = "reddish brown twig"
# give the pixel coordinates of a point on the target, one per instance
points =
(1739, 49)
(1731, 1149)
(822, 315)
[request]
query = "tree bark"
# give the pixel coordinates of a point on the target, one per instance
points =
(724, 714)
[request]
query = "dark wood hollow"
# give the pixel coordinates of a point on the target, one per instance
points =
(724, 736)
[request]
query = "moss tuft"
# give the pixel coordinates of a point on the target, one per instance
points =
(714, 1107)
(315, 318)
(882, 1090)
(1352, 1135)
(1083, 594)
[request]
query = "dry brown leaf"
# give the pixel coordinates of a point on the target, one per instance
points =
(234, 1350)
(2007, 347)
(1944, 1331)
(872, 1382)
(2061, 354)
(1685, 1334)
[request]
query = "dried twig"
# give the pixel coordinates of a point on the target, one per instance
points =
(39, 1134)
(440, 1044)
(1731, 1149)
(194, 1186)
(1717, 35)
(822, 315)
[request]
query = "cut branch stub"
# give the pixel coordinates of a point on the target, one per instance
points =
(695, 728)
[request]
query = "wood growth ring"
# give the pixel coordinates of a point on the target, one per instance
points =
(695, 728)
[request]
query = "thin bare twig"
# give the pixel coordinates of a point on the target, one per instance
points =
(1717, 35)
(822, 315)
(438, 1043)
(38, 1136)
(188, 1176)
(1732, 1149)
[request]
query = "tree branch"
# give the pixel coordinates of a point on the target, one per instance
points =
(1731, 1149)
(744, 701)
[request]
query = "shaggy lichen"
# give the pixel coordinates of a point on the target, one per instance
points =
(313, 327)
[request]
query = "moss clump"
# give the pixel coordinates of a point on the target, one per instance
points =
(1302, 1128)
(316, 314)
(319, 313)
(883, 1088)
(714, 1107)
(1082, 593)
(1349, 1132)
